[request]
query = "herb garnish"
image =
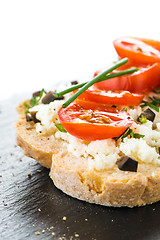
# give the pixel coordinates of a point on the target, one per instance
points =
(142, 119)
(156, 90)
(154, 104)
(34, 101)
(60, 127)
(101, 77)
(129, 132)
(124, 109)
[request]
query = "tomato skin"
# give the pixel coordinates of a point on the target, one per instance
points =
(151, 42)
(112, 98)
(136, 50)
(141, 81)
(70, 120)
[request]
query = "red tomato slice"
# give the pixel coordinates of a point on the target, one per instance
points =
(112, 98)
(141, 81)
(136, 50)
(153, 43)
(93, 121)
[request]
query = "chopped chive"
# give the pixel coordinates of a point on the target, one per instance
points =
(71, 89)
(100, 77)
(87, 85)
(124, 109)
(33, 101)
(154, 107)
(41, 94)
(129, 132)
(26, 105)
(60, 127)
(142, 119)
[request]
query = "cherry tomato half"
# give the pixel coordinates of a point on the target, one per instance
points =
(93, 121)
(112, 98)
(151, 42)
(147, 77)
(136, 50)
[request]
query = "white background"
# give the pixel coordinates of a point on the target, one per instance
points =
(45, 42)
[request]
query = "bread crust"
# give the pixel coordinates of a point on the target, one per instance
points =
(70, 174)
(110, 188)
(33, 144)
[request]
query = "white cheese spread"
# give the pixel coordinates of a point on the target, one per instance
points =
(103, 154)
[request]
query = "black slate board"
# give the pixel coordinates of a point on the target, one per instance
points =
(31, 204)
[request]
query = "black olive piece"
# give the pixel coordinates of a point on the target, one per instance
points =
(75, 82)
(50, 97)
(31, 116)
(126, 163)
(37, 93)
(149, 114)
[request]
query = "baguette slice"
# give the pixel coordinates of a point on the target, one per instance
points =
(38, 147)
(70, 174)
(108, 187)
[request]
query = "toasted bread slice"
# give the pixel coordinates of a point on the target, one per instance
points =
(111, 187)
(38, 147)
(106, 187)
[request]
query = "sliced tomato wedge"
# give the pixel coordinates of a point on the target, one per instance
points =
(147, 77)
(137, 50)
(151, 42)
(112, 98)
(93, 121)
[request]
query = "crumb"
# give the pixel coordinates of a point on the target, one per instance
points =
(86, 219)
(53, 233)
(64, 218)
(43, 231)
(37, 233)
(29, 175)
(76, 235)
(39, 209)
(51, 227)
(5, 204)
(38, 170)
(33, 225)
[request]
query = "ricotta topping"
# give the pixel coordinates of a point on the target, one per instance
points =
(100, 154)
(48, 115)
(103, 154)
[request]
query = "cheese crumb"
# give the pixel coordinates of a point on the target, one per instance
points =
(138, 149)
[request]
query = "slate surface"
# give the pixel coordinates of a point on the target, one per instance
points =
(31, 207)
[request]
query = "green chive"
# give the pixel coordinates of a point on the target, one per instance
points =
(71, 89)
(33, 101)
(142, 119)
(129, 132)
(99, 78)
(26, 105)
(60, 127)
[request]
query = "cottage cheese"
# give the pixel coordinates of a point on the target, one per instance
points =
(48, 115)
(100, 154)
(103, 154)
